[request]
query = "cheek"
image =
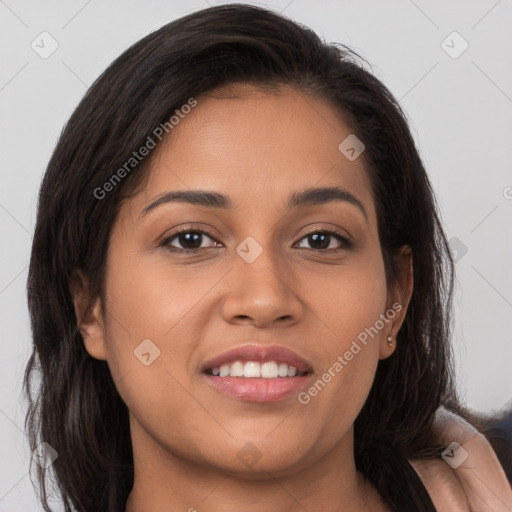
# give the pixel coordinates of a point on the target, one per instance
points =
(349, 306)
(155, 320)
(149, 343)
(348, 299)
(340, 388)
(151, 300)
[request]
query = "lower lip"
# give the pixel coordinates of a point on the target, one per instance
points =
(257, 389)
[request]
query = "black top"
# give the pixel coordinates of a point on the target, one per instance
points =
(397, 482)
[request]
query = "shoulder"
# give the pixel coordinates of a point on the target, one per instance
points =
(468, 476)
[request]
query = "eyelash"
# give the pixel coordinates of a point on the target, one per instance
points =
(344, 241)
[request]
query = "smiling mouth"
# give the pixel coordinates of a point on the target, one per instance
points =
(255, 369)
(258, 373)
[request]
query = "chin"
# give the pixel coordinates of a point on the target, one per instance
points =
(254, 457)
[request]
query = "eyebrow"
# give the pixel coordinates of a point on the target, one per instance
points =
(307, 197)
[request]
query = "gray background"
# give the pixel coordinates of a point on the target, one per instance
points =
(460, 110)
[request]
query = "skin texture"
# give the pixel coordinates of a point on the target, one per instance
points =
(257, 148)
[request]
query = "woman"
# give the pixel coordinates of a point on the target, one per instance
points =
(240, 288)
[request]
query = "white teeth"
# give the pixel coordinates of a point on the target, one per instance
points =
(237, 369)
(283, 370)
(252, 369)
(269, 370)
(224, 370)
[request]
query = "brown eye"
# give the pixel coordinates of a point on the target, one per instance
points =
(187, 240)
(323, 240)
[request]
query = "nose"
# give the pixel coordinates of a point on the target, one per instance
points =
(262, 293)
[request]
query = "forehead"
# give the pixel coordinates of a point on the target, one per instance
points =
(256, 146)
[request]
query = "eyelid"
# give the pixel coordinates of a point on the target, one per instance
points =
(327, 228)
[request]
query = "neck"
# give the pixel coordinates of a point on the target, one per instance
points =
(166, 481)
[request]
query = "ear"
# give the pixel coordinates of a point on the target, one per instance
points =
(89, 316)
(398, 298)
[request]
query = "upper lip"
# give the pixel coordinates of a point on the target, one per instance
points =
(261, 354)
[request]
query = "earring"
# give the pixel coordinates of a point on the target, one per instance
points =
(390, 341)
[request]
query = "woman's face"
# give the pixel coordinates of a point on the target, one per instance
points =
(265, 271)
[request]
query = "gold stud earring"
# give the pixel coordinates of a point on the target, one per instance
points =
(390, 341)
